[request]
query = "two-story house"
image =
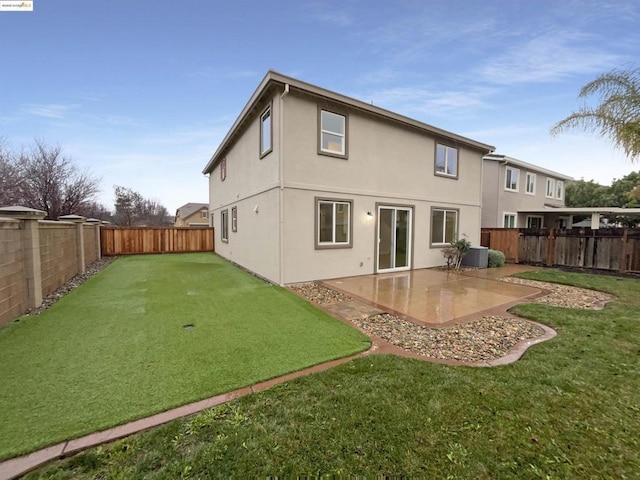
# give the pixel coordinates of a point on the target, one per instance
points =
(192, 215)
(310, 184)
(517, 194)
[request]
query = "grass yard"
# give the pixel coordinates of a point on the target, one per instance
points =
(569, 409)
(115, 349)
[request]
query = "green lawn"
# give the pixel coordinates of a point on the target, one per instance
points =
(570, 408)
(115, 349)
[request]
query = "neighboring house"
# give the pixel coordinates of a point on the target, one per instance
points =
(513, 193)
(192, 215)
(310, 184)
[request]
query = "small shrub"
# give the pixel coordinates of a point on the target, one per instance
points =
(455, 252)
(495, 258)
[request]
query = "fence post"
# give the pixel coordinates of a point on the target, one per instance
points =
(551, 248)
(624, 263)
(79, 221)
(30, 249)
(96, 224)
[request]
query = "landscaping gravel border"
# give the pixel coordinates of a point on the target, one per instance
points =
(488, 338)
(485, 339)
(565, 296)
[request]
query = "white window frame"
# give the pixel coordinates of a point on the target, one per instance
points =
(323, 131)
(506, 178)
(223, 170)
(559, 189)
(333, 243)
(551, 188)
(444, 226)
(531, 217)
(204, 214)
(224, 226)
(531, 184)
(511, 215)
(234, 219)
(446, 150)
(266, 149)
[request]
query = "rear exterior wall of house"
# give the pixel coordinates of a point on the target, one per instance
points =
(386, 164)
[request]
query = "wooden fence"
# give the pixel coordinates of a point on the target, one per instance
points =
(134, 240)
(615, 249)
(502, 239)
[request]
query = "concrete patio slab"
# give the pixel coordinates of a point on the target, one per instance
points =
(434, 297)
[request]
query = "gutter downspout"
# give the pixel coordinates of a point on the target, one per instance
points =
(281, 179)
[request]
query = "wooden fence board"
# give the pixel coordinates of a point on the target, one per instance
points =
(136, 240)
(603, 249)
(502, 239)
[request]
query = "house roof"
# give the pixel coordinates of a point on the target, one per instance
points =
(189, 209)
(528, 166)
(273, 78)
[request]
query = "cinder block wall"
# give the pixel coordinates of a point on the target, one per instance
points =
(57, 247)
(90, 244)
(12, 283)
(58, 254)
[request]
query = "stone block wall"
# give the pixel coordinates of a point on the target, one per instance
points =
(13, 291)
(38, 256)
(58, 254)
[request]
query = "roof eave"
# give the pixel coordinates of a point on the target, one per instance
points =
(275, 77)
(522, 164)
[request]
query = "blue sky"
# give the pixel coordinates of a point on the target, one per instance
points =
(141, 92)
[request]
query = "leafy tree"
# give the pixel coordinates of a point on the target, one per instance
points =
(45, 179)
(617, 116)
(586, 194)
(621, 190)
(131, 208)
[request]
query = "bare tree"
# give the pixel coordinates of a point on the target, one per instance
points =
(131, 208)
(10, 177)
(95, 210)
(53, 183)
(45, 179)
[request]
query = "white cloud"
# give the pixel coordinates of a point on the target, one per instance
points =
(428, 101)
(58, 111)
(548, 57)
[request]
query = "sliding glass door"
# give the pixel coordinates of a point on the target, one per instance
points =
(394, 238)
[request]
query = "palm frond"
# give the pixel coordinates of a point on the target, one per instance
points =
(617, 116)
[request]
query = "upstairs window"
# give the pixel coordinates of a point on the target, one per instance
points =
(446, 161)
(266, 135)
(530, 187)
(559, 189)
(551, 186)
(223, 170)
(333, 223)
(204, 214)
(511, 179)
(333, 134)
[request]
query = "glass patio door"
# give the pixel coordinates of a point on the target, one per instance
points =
(394, 239)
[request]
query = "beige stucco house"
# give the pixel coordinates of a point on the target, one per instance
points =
(192, 215)
(517, 194)
(310, 184)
